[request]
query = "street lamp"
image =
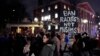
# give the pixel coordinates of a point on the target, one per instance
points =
(35, 19)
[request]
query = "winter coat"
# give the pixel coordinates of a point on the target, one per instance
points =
(48, 50)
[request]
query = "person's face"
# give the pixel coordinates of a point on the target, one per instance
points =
(45, 39)
(62, 36)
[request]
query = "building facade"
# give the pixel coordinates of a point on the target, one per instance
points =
(53, 11)
(56, 14)
(87, 18)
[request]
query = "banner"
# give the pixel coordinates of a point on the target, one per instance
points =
(68, 21)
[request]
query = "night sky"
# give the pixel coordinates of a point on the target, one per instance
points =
(23, 8)
(95, 5)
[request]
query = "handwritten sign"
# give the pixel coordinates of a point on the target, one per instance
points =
(68, 21)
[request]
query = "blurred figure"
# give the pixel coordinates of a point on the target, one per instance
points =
(49, 47)
(64, 47)
(87, 44)
(36, 44)
(56, 39)
(5, 47)
(19, 44)
(77, 45)
(66, 38)
(26, 48)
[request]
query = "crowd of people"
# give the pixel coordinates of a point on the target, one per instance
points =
(47, 44)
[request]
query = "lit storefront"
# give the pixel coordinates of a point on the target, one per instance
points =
(25, 28)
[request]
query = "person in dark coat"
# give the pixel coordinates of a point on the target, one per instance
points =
(87, 41)
(49, 47)
(19, 44)
(36, 45)
(77, 46)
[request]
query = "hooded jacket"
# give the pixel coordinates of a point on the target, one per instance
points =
(48, 50)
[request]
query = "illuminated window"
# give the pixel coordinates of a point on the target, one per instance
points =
(35, 19)
(64, 6)
(56, 15)
(68, 8)
(42, 18)
(46, 18)
(49, 27)
(56, 6)
(42, 10)
(56, 27)
(49, 8)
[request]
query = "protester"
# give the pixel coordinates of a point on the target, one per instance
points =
(19, 44)
(77, 45)
(66, 38)
(26, 48)
(36, 45)
(54, 44)
(56, 40)
(49, 47)
(87, 42)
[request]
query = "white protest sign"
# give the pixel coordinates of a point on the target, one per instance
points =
(68, 21)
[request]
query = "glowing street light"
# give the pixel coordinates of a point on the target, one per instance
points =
(35, 19)
(85, 21)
